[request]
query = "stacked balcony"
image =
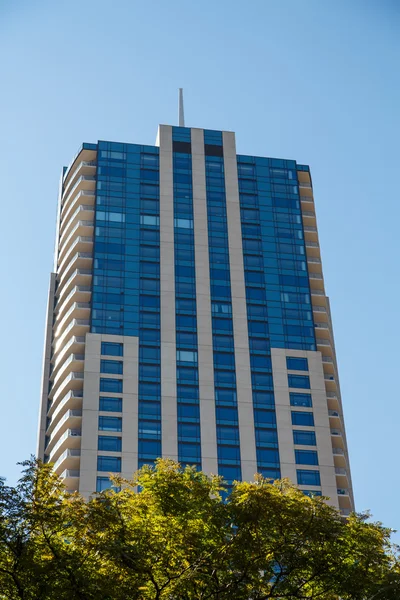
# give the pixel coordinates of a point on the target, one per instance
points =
(325, 343)
(71, 318)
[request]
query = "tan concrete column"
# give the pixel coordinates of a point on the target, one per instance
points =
(203, 302)
(239, 311)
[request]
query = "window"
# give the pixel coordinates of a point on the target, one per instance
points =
(149, 448)
(308, 477)
(105, 483)
(109, 443)
(229, 454)
(114, 367)
(226, 415)
(189, 452)
(186, 356)
(111, 385)
(268, 456)
(230, 473)
(111, 349)
(109, 463)
(149, 430)
(188, 393)
(300, 399)
(264, 417)
(149, 390)
(184, 223)
(306, 457)
(188, 412)
(303, 418)
(110, 423)
(110, 404)
(296, 364)
(299, 381)
(304, 438)
(149, 410)
(223, 396)
(312, 493)
(149, 220)
(188, 431)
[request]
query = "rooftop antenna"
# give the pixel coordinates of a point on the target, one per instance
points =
(181, 113)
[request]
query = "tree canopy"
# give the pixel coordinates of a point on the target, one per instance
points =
(177, 534)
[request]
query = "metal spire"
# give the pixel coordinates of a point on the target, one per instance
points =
(180, 109)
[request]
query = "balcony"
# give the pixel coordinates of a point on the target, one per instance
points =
(310, 229)
(77, 310)
(84, 168)
(345, 512)
(75, 362)
(73, 399)
(70, 479)
(81, 260)
(82, 197)
(308, 215)
(343, 492)
(83, 243)
(340, 471)
(71, 419)
(77, 328)
(76, 345)
(316, 281)
(338, 451)
(84, 154)
(69, 458)
(78, 277)
(334, 414)
(81, 229)
(84, 212)
(73, 381)
(79, 293)
(84, 183)
(69, 439)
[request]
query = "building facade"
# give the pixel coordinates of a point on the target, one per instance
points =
(187, 318)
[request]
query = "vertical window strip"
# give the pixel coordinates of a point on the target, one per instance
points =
(228, 446)
(149, 421)
(260, 351)
(189, 445)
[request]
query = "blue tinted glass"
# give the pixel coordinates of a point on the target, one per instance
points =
(111, 385)
(109, 443)
(111, 349)
(299, 381)
(306, 457)
(302, 418)
(110, 404)
(297, 364)
(110, 423)
(300, 399)
(304, 438)
(114, 367)
(308, 477)
(109, 463)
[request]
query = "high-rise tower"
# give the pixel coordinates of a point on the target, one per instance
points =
(187, 318)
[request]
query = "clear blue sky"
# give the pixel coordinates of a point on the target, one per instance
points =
(312, 80)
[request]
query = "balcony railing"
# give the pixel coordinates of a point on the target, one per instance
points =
(333, 413)
(70, 473)
(338, 451)
(343, 492)
(340, 471)
(336, 432)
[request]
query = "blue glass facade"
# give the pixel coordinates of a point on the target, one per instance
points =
(126, 294)
(187, 373)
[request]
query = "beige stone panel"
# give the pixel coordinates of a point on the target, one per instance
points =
(167, 286)
(204, 323)
(239, 311)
